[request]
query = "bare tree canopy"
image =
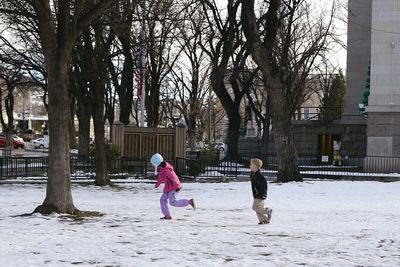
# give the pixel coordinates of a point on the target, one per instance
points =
(57, 25)
(285, 43)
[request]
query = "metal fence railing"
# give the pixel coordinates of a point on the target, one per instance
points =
(23, 166)
(318, 113)
(208, 167)
(317, 166)
(11, 167)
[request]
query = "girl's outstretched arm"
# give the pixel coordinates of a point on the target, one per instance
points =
(160, 180)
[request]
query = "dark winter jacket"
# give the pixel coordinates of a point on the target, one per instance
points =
(259, 185)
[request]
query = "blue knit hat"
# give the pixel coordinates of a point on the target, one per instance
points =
(156, 160)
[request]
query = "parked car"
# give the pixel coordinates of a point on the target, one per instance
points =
(18, 138)
(17, 143)
(42, 142)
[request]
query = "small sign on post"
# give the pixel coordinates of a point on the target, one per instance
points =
(325, 158)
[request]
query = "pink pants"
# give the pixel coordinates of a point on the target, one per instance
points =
(171, 197)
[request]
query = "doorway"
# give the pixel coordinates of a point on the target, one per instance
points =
(325, 147)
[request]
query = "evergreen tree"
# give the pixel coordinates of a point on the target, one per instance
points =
(333, 103)
(364, 98)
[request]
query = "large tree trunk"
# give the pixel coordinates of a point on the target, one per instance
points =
(233, 132)
(126, 89)
(284, 140)
(71, 123)
(102, 177)
(266, 122)
(231, 108)
(9, 140)
(84, 115)
(265, 137)
(58, 194)
(57, 38)
(286, 152)
(280, 109)
(98, 89)
(191, 132)
(153, 105)
(8, 127)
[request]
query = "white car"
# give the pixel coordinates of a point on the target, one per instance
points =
(42, 142)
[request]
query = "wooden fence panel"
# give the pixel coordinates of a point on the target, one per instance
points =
(165, 146)
(132, 144)
(142, 143)
(149, 145)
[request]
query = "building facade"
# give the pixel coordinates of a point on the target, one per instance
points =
(383, 131)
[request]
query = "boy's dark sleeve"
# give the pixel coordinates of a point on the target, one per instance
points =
(262, 186)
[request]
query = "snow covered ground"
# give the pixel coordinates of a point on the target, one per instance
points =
(315, 223)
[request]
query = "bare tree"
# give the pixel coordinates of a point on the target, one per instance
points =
(25, 52)
(59, 25)
(90, 74)
(79, 89)
(260, 105)
(190, 73)
(11, 78)
(285, 46)
(211, 118)
(226, 49)
(121, 61)
(161, 55)
(321, 80)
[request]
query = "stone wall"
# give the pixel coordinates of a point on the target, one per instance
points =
(383, 134)
(384, 101)
(353, 137)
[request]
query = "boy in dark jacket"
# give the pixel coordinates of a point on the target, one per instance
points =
(259, 187)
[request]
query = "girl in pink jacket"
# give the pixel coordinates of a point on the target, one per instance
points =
(172, 186)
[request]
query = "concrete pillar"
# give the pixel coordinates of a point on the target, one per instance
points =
(383, 131)
(358, 54)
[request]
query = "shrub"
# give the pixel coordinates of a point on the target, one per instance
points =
(196, 167)
(112, 155)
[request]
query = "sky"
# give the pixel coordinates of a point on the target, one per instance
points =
(338, 55)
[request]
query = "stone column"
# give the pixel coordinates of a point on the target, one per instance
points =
(358, 55)
(383, 109)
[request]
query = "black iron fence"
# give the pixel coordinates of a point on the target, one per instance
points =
(23, 166)
(312, 166)
(322, 166)
(11, 167)
(318, 113)
(208, 167)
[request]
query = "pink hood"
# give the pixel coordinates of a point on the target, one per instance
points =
(167, 176)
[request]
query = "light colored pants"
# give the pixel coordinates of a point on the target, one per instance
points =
(260, 209)
(171, 197)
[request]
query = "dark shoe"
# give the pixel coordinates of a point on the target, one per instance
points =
(191, 203)
(264, 222)
(166, 217)
(269, 214)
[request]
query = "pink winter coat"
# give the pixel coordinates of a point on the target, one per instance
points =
(169, 178)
